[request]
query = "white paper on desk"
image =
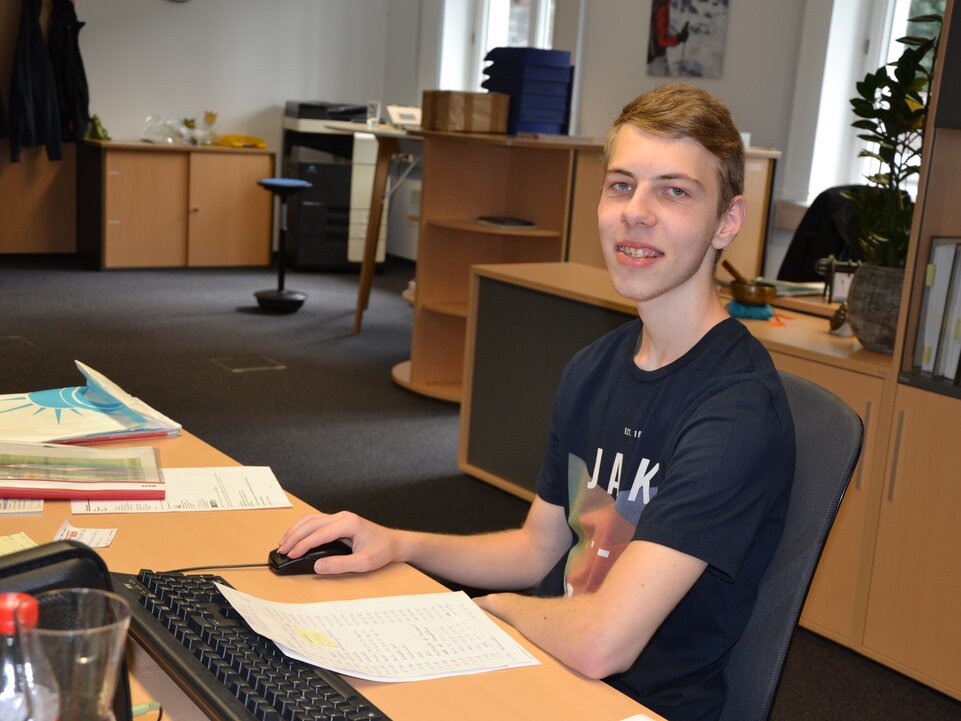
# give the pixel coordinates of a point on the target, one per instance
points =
(93, 537)
(396, 638)
(21, 506)
(15, 542)
(203, 489)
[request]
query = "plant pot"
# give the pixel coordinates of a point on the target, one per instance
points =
(873, 302)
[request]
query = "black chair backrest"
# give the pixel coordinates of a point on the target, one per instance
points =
(829, 227)
(829, 436)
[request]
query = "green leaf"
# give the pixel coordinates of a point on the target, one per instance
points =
(911, 41)
(926, 19)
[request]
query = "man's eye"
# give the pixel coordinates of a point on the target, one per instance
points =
(620, 186)
(677, 192)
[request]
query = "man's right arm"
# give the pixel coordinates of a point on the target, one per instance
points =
(510, 560)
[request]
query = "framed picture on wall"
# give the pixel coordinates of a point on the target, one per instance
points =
(687, 38)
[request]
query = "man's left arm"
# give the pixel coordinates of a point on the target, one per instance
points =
(603, 632)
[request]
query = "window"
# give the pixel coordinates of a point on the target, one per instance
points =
(896, 27)
(863, 36)
(515, 23)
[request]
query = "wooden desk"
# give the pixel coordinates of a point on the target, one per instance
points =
(170, 540)
(525, 322)
(388, 146)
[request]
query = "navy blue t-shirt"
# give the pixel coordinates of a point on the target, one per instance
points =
(697, 456)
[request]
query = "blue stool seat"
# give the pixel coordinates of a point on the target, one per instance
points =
(282, 300)
(283, 187)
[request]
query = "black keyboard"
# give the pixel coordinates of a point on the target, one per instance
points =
(227, 669)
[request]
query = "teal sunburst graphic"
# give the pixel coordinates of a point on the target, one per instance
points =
(75, 400)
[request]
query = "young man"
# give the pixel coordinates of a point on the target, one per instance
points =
(671, 449)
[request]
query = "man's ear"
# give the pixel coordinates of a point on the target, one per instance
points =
(730, 223)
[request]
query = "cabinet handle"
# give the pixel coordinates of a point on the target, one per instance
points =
(113, 172)
(894, 458)
(867, 425)
(195, 210)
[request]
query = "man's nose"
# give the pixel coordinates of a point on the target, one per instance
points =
(638, 210)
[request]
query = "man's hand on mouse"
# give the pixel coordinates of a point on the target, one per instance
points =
(372, 546)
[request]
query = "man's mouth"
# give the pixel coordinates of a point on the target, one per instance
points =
(633, 252)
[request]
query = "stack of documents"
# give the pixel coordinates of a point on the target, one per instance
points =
(396, 638)
(98, 411)
(47, 470)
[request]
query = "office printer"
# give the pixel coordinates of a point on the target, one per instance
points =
(323, 110)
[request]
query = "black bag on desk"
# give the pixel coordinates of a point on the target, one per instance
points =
(63, 564)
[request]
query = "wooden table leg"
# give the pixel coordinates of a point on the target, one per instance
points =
(386, 149)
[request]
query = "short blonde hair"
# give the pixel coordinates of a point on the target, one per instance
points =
(680, 110)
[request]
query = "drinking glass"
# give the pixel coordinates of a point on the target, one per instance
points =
(373, 113)
(82, 632)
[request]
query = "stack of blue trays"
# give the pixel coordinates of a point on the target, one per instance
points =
(539, 83)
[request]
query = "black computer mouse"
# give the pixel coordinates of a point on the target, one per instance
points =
(284, 565)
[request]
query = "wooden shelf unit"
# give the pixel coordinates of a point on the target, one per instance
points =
(551, 181)
(466, 176)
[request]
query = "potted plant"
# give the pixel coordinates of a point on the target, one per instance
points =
(891, 109)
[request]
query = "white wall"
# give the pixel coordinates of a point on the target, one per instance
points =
(402, 84)
(763, 43)
(243, 58)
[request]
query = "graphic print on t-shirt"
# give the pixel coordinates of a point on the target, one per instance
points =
(603, 515)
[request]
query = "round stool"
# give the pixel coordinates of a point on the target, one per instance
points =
(282, 300)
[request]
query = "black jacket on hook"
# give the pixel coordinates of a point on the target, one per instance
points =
(34, 115)
(72, 92)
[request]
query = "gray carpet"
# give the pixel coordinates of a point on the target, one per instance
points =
(334, 428)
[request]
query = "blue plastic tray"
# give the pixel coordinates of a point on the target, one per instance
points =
(520, 56)
(514, 86)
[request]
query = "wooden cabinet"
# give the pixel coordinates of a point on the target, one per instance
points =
(832, 603)
(144, 209)
(464, 177)
(912, 621)
(229, 213)
(164, 206)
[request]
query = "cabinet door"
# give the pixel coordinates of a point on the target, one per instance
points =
(912, 617)
(145, 209)
(832, 602)
(229, 212)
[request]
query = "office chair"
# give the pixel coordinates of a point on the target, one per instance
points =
(829, 436)
(829, 227)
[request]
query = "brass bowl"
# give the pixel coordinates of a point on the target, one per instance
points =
(752, 293)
